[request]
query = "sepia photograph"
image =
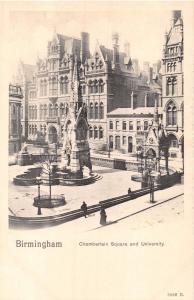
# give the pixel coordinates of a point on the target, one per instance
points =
(97, 173)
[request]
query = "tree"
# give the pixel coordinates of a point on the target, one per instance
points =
(47, 164)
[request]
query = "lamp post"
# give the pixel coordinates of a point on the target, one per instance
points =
(151, 188)
(38, 180)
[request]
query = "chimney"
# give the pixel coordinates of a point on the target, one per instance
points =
(176, 14)
(115, 40)
(85, 52)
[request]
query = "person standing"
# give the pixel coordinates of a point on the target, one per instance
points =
(84, 208)
(103, 216)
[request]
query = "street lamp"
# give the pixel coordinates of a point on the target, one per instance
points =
(38, 180)
(151, 183)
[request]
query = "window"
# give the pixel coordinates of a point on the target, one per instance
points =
(168, 86)
(95, 132)
(30, 129)
(117, 125)
(124, 125)
(174, 86)
(101, 111)
(110, 124)
(171, 114)
(138, 125)
(110, 142)
(62, 109)
(130, 125)
(96, 111)
(173, 142)
(145, 125)
(90, 87)
(90, 132)
(171, 86)
(91, 111)
(101, 86)
(95, 86)
(124, 140)
(100, 133)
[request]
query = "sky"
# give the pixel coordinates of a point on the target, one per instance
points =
(141, 24)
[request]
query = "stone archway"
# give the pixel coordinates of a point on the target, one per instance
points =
(52, 135)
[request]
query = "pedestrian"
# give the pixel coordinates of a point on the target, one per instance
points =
(84, 208)
(129, 190)
(103, 216)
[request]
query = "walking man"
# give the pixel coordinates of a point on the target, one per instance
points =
(84, 208)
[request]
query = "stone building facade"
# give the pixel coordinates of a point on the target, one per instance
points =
(107, 81)
(113, 88)
(128, 128)
(173, 85)
(15, 98)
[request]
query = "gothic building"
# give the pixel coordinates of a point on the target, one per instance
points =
(15, 97)
(173, 85)
(107, 81)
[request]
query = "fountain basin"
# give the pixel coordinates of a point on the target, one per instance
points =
(44, 201)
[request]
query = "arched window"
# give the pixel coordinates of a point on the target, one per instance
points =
(101, 111)
(35, 129)
(174, 86)
(95, 132)
(62, 109)
(96, 111)
(171, 114)
(100, 133)
(91, 114)
(173, 142)
(101, 86)
(50, 110)
(168, 86)
(90, 132)
(30, 129)
(55, 110)
(95, 86)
